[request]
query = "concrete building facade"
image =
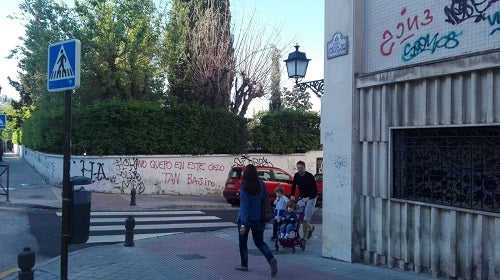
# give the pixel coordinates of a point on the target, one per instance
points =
(411, 135)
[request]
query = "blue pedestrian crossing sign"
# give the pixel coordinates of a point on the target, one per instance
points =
(3, 121)
(63, 67)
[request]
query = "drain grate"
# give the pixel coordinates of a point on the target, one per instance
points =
(36, 196)
(191, 257)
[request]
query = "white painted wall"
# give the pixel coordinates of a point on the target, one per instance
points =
(172, 174)
(338, 130)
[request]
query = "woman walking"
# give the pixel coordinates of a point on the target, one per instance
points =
(252, 193)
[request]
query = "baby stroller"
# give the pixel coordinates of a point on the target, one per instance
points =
(293, 239)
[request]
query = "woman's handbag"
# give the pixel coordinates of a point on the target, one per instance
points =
(267, 208)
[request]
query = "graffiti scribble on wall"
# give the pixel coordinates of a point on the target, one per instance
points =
(340, 161)
(245, 160)
(127, 177)
(404, 30)
(401, 33)
(93, 170)
(341, 181)
(494, 21)
(430, 44)
(461, 10)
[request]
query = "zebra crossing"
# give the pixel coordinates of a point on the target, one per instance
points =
(108, 227)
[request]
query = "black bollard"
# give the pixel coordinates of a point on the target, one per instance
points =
(129, 231)
(133, 192)
(25, 262)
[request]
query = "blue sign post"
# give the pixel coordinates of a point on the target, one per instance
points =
(3, 121)
(63, 67)
(63, 74)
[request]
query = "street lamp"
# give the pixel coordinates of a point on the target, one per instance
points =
(296, 66)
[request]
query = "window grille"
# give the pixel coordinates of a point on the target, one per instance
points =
(457, 166)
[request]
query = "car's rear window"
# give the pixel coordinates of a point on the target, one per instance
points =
(264, 174)
(318, 177)
(235, 173)
(281, 177)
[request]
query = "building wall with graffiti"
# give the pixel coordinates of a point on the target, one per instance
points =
(173, 175)
(400, 33)
(410, 129)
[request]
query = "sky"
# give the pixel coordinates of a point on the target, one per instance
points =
(301, 22)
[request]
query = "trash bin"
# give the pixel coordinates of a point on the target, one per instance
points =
(79, 211)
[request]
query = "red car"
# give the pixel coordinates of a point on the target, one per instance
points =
(319, 185)
(272, 176)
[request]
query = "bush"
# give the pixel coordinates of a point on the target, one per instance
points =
(287, 131)
(130, 127)
(118, 127)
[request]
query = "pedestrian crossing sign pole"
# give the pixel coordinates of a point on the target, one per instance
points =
(63, 74)
(63, 67)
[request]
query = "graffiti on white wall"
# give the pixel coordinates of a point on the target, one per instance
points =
(257, 161)
(179, 175)
(404, 32)
(341, 164)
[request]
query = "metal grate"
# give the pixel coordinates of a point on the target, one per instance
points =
(457, 167)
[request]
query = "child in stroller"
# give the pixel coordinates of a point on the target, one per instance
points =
(279, 210)
(289, 227)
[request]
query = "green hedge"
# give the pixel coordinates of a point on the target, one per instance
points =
(140, 128)
(287, 131)
(128, 128)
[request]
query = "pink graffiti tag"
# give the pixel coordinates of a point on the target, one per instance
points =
(404, 30)
(172, 178)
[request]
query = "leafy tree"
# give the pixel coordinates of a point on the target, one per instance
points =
(15, 117)
(44, 22)
(296, 100)
(120, 55)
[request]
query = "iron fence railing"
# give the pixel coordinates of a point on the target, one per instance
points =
(457, 166)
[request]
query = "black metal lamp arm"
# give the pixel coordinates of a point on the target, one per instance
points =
(316, 86)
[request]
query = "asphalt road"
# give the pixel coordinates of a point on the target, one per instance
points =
(15, 234)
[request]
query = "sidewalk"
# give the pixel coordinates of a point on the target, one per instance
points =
(208, 255)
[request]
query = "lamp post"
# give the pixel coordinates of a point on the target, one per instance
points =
(296, 66)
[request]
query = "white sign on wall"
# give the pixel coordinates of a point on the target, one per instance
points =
(404, 32)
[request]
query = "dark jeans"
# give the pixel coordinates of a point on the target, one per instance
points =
(257, 229)
(276, 228)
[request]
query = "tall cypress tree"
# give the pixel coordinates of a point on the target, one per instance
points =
(199, 56)
(275, 103)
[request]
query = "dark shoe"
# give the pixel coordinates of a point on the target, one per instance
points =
(273, 238)
(303, 244)
(241, 268)
(310, 232)
(274, 267)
